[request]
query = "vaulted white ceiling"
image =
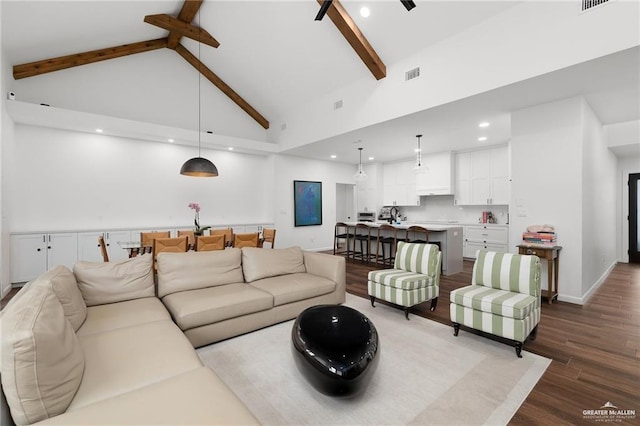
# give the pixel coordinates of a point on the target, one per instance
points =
(277, 57)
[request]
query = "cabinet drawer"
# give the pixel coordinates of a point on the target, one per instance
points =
(471, 248)
(487, 234)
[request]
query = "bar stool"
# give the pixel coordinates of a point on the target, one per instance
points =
(345, 232)
(389, 235)
(418, 231)
(364, 237)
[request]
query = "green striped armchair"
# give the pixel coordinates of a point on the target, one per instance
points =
(503, 298)
(415, 277)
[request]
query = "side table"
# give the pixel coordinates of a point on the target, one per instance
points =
(552, 255)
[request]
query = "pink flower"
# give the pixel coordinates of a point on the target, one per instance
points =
(195, 206)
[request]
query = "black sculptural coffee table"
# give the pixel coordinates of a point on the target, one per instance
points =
(335, 347)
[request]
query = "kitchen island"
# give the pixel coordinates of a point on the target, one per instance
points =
(448, 235)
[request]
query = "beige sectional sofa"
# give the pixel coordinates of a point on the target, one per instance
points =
(98, 346)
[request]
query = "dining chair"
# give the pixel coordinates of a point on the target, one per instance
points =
(146, 240)
(210, 242)
(103, 248)
(246, 240)
(191, 237)
(268, 236)
(169, 245)
(227, 232)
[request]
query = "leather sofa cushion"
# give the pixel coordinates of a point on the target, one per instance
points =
(110, 282)
(197, 397)
(130, 358)
(258, 263)
(42, 360)
(109, 317)
(195, 270)
(294, 287)
(214, 304)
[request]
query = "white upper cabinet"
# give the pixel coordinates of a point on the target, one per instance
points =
(437, 176)
(399, 185)
(482, 177)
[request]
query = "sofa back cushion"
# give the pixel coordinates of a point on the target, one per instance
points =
(199, 269)
(507, 271)
(65, 287)
(258, 263)
(418, 258)
(42, 360)
(110, 282)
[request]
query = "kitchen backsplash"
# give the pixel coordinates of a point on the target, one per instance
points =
(441, 208)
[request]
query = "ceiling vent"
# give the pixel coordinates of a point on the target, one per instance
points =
(589, 4)
(337, 104)
(411, 74)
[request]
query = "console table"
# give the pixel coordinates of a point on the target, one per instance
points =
(552, 255)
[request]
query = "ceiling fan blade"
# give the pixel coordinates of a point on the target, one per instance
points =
(323, 9)
(409, 4)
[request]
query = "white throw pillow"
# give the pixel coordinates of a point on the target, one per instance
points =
(258, 263)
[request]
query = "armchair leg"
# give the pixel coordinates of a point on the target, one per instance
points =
(456, 328)
(373, 299)
(534, 333)
(406, 313)
(434, 303)
(519, 349)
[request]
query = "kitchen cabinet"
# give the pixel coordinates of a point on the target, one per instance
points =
(482, 177)
(487, 237)
(437, 175)
(89, 250)
(399, 187)
(34, 254)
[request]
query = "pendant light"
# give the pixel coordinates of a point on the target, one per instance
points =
(199, 166)
(360, 174)
(418, 167)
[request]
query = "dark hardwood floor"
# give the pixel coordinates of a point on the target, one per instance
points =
(595, 348)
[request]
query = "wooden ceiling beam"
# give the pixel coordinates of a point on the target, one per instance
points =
(183, 28)
(187, 13)
(356, 39)
(213, 78)
(63, 62)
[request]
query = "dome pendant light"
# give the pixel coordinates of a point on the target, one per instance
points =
(199, 166)
(360, 174)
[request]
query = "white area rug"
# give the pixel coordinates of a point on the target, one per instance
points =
(425, 376)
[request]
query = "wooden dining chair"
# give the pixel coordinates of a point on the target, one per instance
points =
(146, 240)
(228, 235)
(210, 242)
(191, 237)
(103, 248)
(268, 236)
(246, 240)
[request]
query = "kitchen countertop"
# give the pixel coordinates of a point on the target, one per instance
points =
(404, 225)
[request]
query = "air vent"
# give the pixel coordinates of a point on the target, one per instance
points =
(411, 74)
(337, 104)
(588, 4)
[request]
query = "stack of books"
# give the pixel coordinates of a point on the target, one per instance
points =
(539, 238)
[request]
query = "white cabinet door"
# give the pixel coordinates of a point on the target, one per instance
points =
(89, 250)
(28, 257)
(500, 193)
(399, 188)
(436, 178)
(34, 254)
(116, 252)
(463, 179)
(62, 249)
(480, 177)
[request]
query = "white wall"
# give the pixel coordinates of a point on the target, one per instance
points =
(546, 187)
(288, 169)
(528, 39)
(62, 180)
(599, 203)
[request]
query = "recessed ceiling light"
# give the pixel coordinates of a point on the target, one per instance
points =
(365, 12)
(416, 150)
(99, 130)
(170, 140)
(371, 158)
(334, 156)
(230, 148)
(484, 124)
(482, 138)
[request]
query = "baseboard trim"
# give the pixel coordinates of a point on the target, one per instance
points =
(585, 297)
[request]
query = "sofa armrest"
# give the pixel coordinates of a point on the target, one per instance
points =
(327, 266)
